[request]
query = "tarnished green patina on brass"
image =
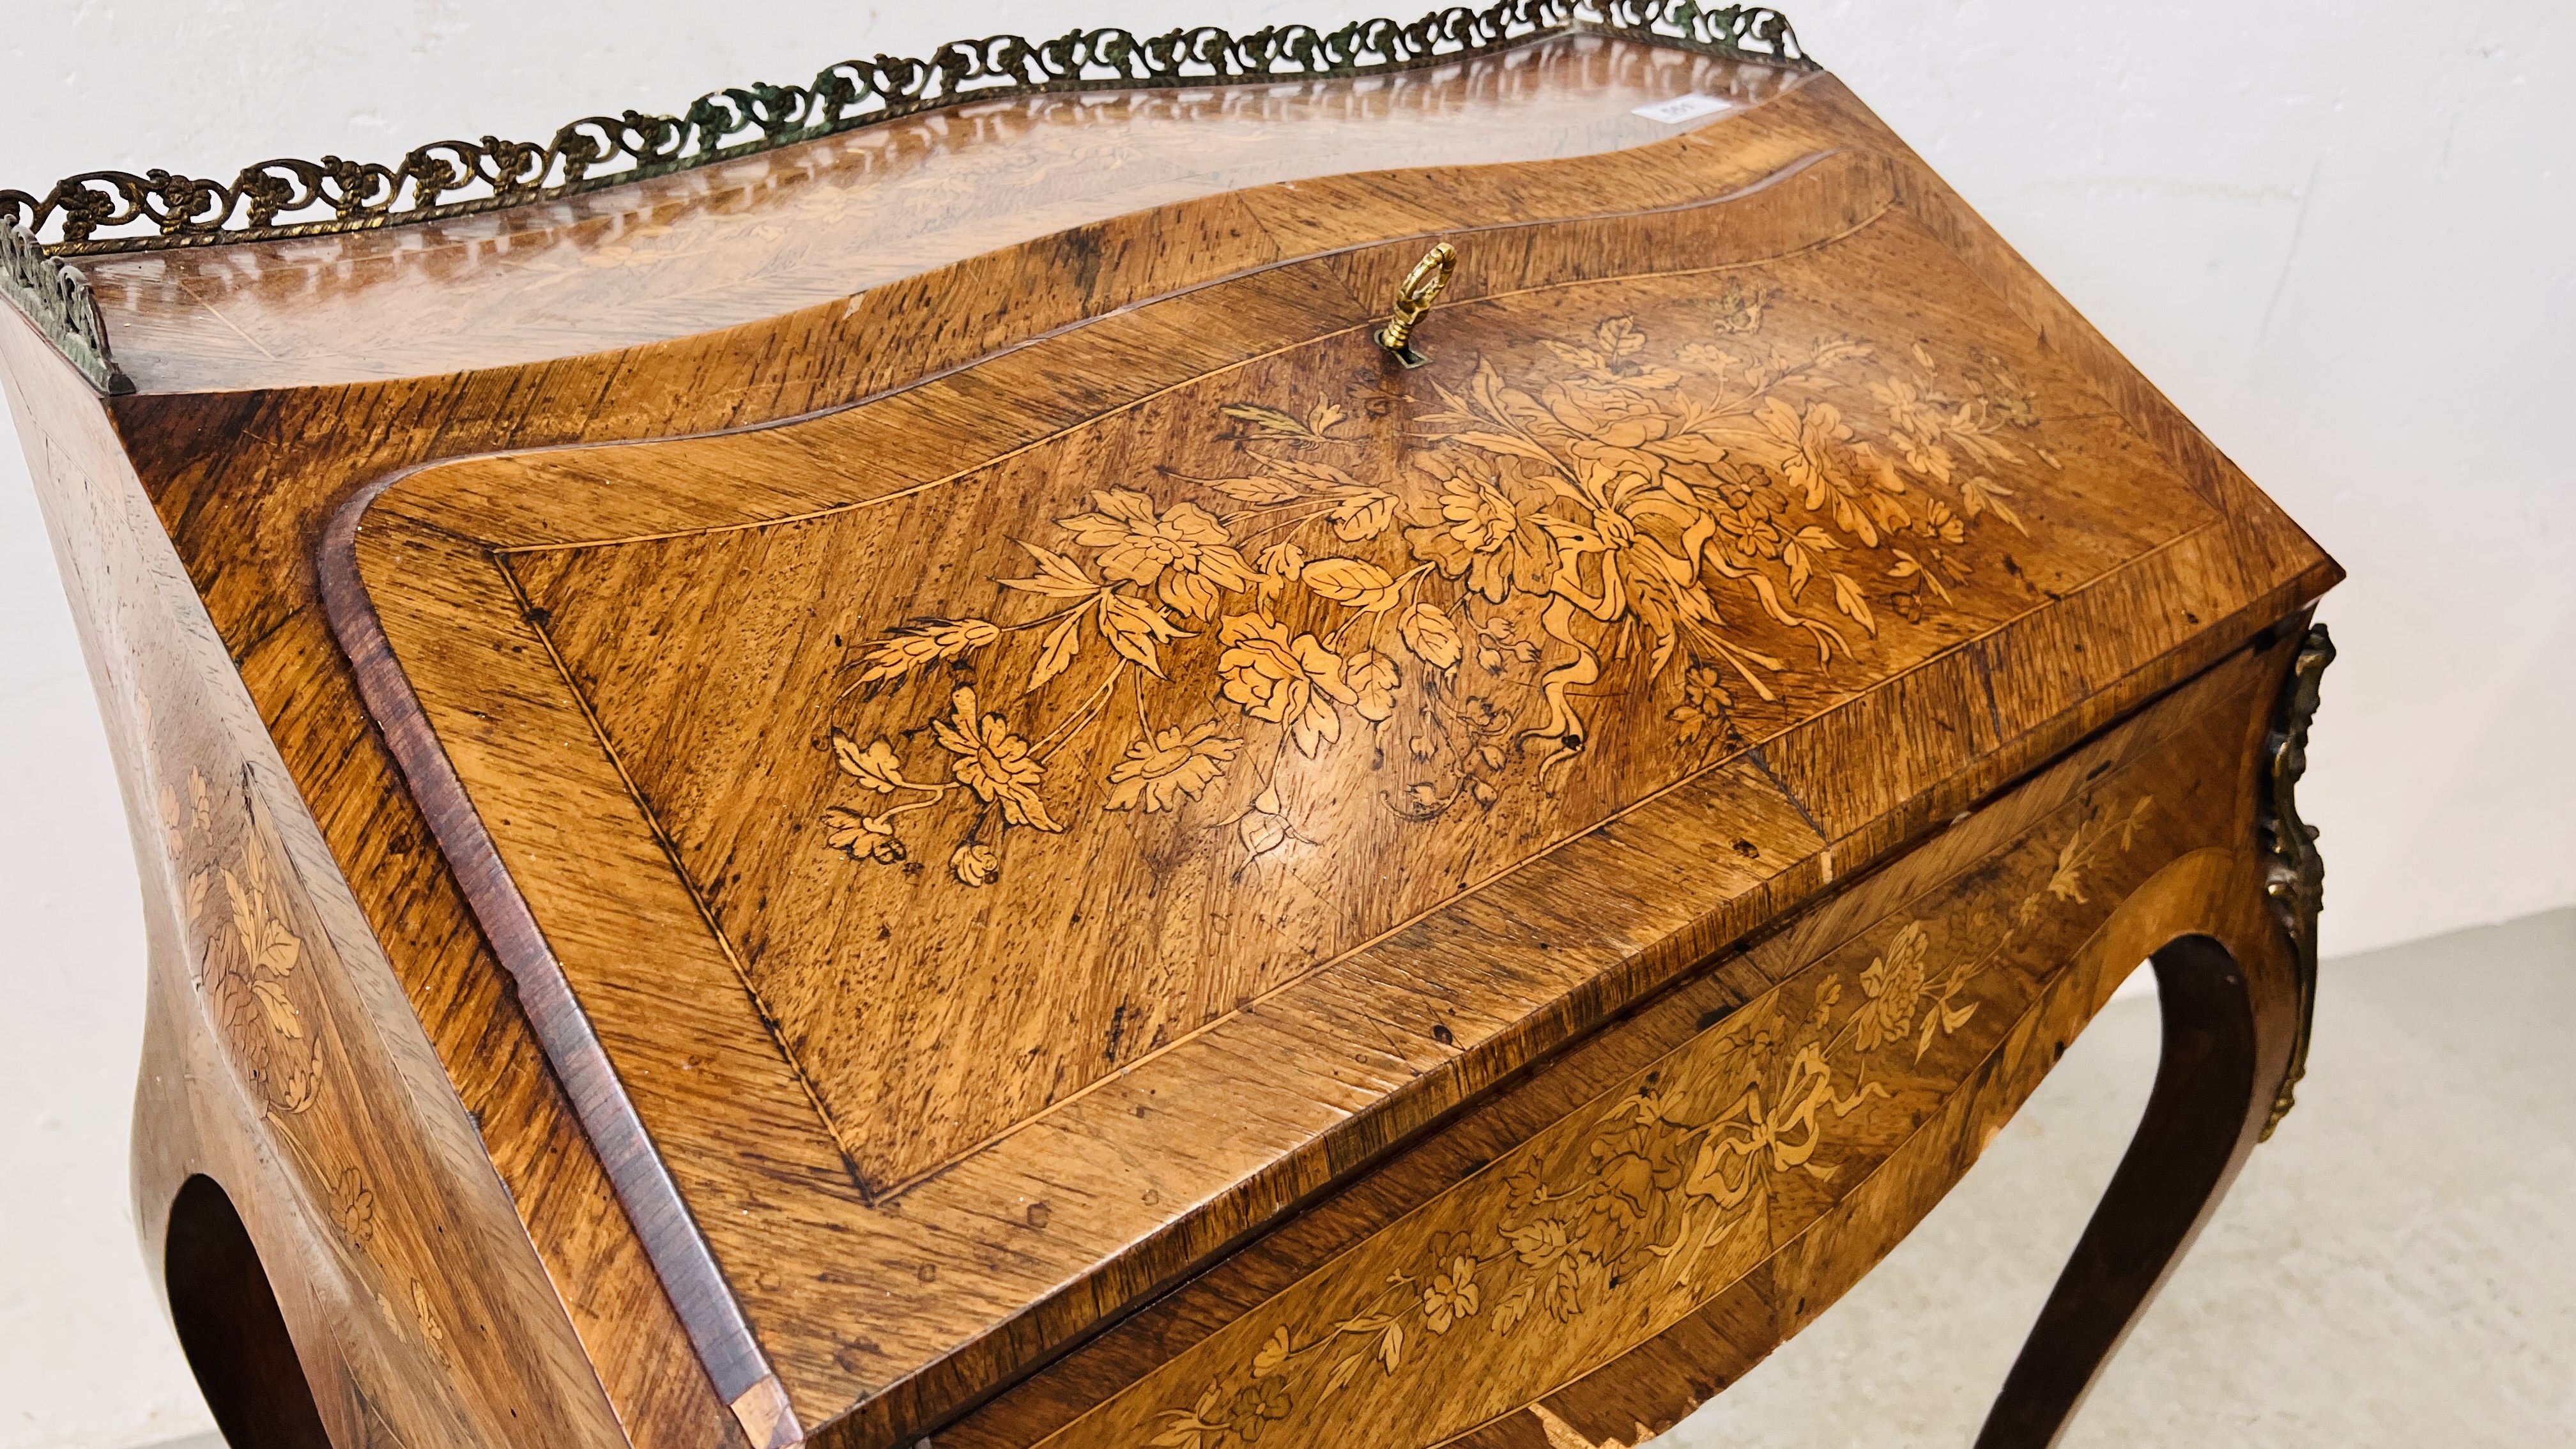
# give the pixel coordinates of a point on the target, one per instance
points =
(115, 211)
(56, 297)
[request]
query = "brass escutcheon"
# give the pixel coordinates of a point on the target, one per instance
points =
(1413, 298)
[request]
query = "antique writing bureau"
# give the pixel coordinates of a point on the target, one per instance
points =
(1392, 737)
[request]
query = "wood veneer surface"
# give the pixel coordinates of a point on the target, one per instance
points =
(1298, 1092)
(745, 240)
(986, 1052)
(1638, 1223)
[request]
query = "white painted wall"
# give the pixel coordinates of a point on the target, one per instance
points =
(2340, 235)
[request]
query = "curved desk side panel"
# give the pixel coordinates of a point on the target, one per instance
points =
(281, 1059)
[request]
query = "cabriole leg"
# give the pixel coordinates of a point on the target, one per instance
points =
(2236, 1027)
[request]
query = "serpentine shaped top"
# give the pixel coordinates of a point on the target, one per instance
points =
(118, 211)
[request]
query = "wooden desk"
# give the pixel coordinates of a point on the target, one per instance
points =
(901, 785)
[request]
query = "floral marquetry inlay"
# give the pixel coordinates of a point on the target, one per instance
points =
(1606, 522)
(1615, 1222)
(261, 962)
(1074, 714)
(248, 951)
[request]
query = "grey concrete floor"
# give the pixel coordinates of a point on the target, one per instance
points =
(2395, 1269)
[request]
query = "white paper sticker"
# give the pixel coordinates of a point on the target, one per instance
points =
(1684, 108)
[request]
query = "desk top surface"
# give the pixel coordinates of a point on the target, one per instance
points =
(742, 241)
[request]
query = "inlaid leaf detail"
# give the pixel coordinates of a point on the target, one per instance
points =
(1274, 1352)
(1426, 631)
(1362, 515)
(1137, 631)
(875, 767)
(1063, 646)
(1352, 581)
(1256, 490)
(908, 647)
(1373, 680)
(1642, 509)
(1057, 575)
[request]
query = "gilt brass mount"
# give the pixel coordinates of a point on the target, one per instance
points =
(1413, 298)
(115, 211)
(2295, 876)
